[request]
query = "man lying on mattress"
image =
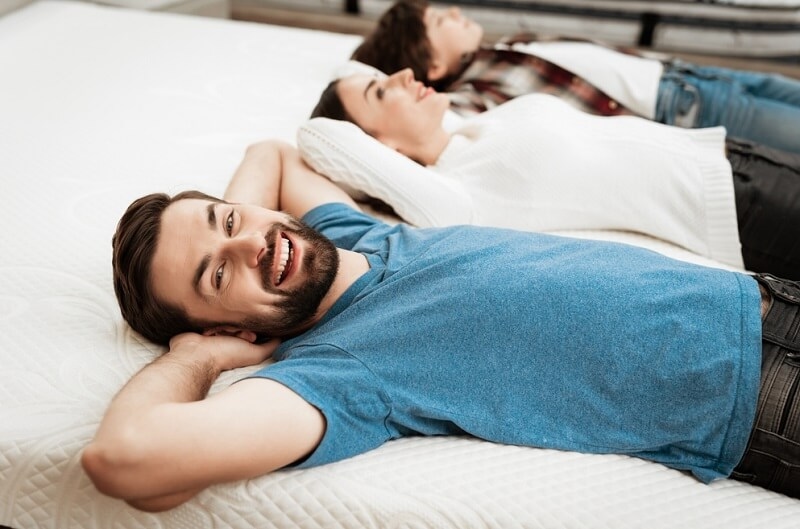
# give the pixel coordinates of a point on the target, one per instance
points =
(382, 331)
(445, 50)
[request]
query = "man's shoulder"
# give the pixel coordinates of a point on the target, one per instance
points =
(342, 224)
(337, 213)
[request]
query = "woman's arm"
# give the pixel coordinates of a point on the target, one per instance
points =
(347, 155)
(273, 176)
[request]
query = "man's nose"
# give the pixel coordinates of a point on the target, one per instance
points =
(250, 247)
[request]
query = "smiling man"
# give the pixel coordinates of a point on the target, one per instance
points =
(236, 250)
(380, 332)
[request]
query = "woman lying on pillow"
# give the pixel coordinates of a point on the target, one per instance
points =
(446, 50)
(536, 163)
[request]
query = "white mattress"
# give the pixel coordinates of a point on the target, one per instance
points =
(99, 106)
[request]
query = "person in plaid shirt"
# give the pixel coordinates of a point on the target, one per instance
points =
(444, 49)
(496, 75)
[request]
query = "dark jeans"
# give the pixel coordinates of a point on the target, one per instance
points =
(766, 184)
(772, 457)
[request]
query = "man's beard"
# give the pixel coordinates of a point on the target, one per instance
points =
(296, 309)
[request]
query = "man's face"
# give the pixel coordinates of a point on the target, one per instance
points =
(451, 36)
(397, 110)
(242, 265)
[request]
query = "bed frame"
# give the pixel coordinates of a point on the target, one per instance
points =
(766, 29)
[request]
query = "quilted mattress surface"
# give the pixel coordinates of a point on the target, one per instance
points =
(99, 106)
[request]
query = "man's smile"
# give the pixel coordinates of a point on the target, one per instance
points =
(284, 259)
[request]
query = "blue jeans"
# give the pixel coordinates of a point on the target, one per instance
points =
(763, 108)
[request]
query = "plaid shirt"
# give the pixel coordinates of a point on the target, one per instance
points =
(496, 75)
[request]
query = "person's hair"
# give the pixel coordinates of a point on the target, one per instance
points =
(399, 40)
(133, 246)
(330, 104)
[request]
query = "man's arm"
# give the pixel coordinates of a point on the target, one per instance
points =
(273, 176)
(160, 443)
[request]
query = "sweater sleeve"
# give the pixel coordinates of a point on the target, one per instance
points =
(356, 161)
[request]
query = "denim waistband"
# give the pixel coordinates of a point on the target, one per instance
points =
(678, 101)
(772, 457)
(782, 322)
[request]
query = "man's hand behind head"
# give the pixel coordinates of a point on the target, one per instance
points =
(226, 349)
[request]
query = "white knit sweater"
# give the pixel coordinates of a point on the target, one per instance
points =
(536, 163)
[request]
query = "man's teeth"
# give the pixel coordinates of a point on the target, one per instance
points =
(285, 254)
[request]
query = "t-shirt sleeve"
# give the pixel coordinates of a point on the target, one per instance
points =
(344, 390)
(340, 223)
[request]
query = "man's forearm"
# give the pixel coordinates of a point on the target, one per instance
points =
(161, 440)
(177, 376)
(129, 426)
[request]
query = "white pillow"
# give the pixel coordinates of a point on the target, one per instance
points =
(361, 165)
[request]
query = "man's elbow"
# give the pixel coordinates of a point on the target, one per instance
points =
(113, 473)
(156, 504)
(162, 503)
(111, 468)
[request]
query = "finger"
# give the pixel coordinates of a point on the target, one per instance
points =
(271, 346)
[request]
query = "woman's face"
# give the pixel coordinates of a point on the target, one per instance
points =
(398, 111)
(451, 36)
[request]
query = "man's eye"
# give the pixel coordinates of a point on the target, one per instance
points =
(229, 223)
(218, 277)
(379, 93)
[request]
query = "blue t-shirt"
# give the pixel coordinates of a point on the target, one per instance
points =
(529, 339)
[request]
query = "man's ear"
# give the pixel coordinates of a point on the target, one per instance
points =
(437, 70)
(230, 330)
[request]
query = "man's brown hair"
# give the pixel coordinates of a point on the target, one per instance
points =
(399, 41)
(133, 246)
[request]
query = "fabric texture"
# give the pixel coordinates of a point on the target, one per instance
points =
(772, 458)
(500, 73)
(496, 333)
(756, 106)
(767, 188)
(759, 107)
(535, 163)
(590, 77)
(628, 77)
